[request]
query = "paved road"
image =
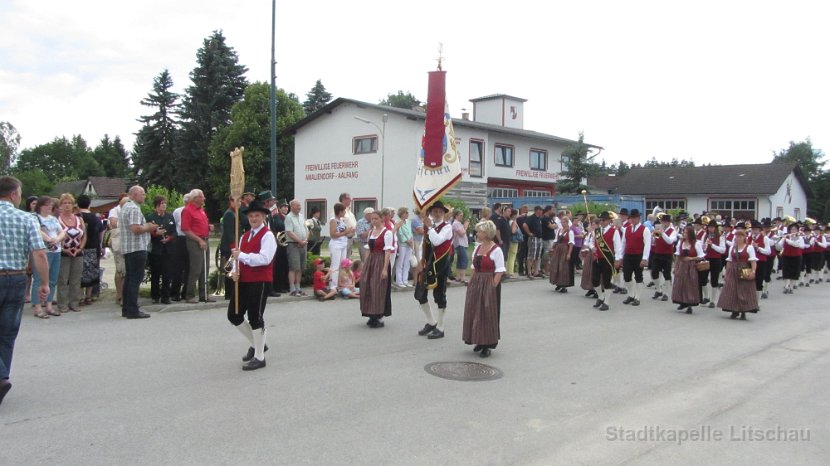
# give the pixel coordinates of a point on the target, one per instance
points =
(92, 388)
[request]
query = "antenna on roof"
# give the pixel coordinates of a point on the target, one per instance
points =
(440, 55)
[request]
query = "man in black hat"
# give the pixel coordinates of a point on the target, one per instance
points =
(533, 229)
(636, 244)
(624, 217)
(664, 237)
(254, 259)
(607, 251)
(435, 265)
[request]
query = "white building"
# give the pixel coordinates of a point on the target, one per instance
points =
(743, 191)
(370, 151)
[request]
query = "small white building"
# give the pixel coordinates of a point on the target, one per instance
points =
(752, 191)
(370, 151)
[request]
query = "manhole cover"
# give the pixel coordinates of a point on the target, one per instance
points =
(464, 371)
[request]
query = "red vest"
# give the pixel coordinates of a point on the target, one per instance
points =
(814, 246)
(484, 263)
(701, 235)
(710, 252)
(608, 236)
(446, 246)
(249, 245)
(634, 243)
(380, 241)
(660, 245)
(758, 243)
(791, 251)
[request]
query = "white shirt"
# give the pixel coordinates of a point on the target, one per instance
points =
(698, 248)
(767, 248)
(749, 250)
(618, 244)
(177, 217)
(267, 249)
(497, 256)
(438, 237)
(388, 244)
(669, 239)
(570, 235)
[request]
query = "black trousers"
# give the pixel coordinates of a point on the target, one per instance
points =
(439, 293)
(253, 296)
(631, 265)
(602, 272)
(180, 263)
(761, 268)
(770, 267)
(661, 263)
(280, 282)
(521, 257)
(160, 275)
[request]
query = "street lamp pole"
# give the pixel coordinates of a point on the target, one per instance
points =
(382, 150)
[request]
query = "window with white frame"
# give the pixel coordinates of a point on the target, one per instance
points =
(536, 193)
(504, 192)
(779, 212)
(797, 214)
(503, 155)
(736, 208)
(365, 144)
(476, 158)
(538, 159)
(359, 205)
(665, 204)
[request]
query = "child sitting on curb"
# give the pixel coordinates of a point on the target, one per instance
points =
(357, 268)
(345, 282)
(321, 279)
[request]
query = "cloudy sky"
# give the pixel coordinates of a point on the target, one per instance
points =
(713, 81)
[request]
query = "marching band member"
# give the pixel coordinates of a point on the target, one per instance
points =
(685, 290)
(587, 257)
(607, 253)
(435, 264)
(763, 248)
(737, 296)
(253, 269)
(772, 234)
(636, 241)
(812, 253)
(714, 247)
(482, 307)
(700, 228)
(376, 282)
(791, 247)
(560, 267)
(663, 238)
(824, 243)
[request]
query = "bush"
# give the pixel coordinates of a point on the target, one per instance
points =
(308, 275)
(174, 199)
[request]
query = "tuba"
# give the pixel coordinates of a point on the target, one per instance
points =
(705, 220)
(789, 220)
(282, 240)
(809, 221)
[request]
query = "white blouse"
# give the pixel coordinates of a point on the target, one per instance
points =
(497, 257)
(749, 250)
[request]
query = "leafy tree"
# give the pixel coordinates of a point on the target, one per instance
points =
(401, 100)
(218, 83)
(35, 182)
(250, 129)
(578, 167)
(154, 150)
(112, 157)
(174, 199)
(316, 98)
(9, 143)
(807, 158)
(61, 159)
(654, 163)
(622, 168)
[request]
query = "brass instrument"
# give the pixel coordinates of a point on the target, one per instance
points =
(809, 221)
(220, 281)
(282, 239)
(705, 220)
(789, 220)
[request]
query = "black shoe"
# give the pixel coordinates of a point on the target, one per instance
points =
(650, 285)
(629, 300)
(5, 386)
(743, 316)
(657, 295)
(604, 307)
(137, 315)
(704, 301)
(253, 365)
(374, 323)
(155, 301)
(764, 295)
(165, 301)
(563, 290)
(734, 315)
(598, 303)
(664, 298)
(176, 298)
(623, 291)
(635, 302)
(689, 310)
(617, 290)
(250, 354)
(426, 330)
(436, 334)
(485, 353)
(274, 294)
(681, 307)
(477, 348)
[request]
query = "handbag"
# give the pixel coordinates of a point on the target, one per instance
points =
(703, 266)
(746, 273)
(420, 288)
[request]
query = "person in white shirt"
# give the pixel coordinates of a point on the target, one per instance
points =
(636, 241)
(436, 269)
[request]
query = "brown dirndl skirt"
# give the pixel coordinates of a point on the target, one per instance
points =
(587, 257)
(482, 311)
(685, 288)
(375, 292)
(737, 295)
(559, 267)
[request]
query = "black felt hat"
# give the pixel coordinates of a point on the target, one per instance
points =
(256, 206)
(438, 205)
(624, 211)
(634, 213)
(605, 216)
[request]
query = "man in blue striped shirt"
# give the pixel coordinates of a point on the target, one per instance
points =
(19, 237)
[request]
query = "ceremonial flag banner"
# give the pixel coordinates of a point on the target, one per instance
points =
(439, 167)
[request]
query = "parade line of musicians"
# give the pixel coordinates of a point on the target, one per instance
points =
(715, 261)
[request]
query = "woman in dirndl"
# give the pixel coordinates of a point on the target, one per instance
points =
(376, 281)
(560, 267)
(482, 308)
(738, 296)
(685, 291)
(586, 255)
